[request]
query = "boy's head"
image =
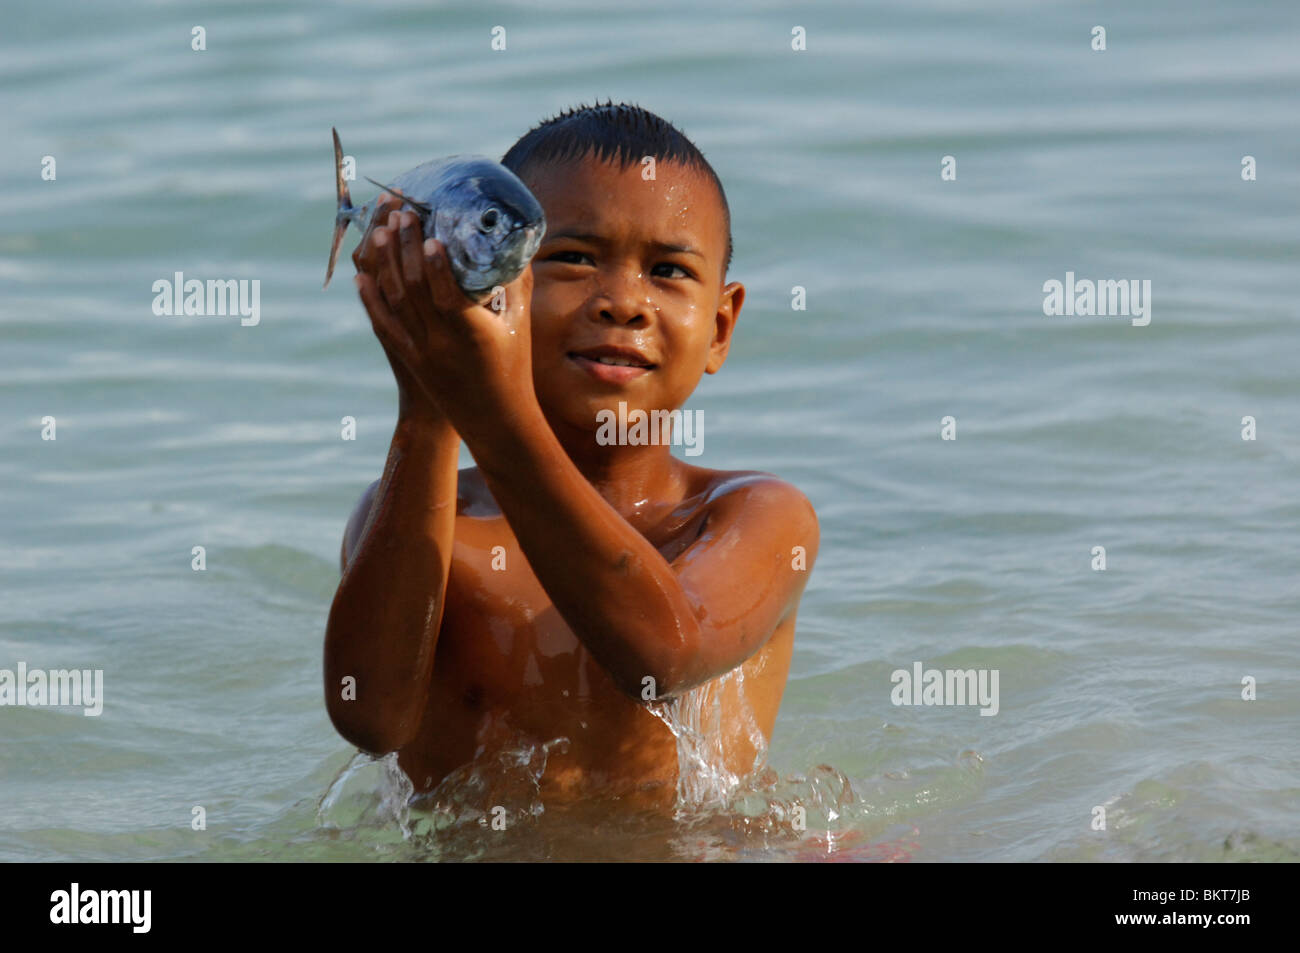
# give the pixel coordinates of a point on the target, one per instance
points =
(622, 134)
(629, 296)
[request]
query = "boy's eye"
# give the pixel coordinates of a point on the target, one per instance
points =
(669, 266)
(569, 257)
(666, 269)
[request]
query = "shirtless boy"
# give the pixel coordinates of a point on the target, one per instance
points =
(549, 590)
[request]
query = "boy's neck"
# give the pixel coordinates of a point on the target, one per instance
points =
(628, 477)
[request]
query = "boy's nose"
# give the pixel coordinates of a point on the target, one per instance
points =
(622, 305)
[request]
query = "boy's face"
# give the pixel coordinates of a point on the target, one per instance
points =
(630, 270)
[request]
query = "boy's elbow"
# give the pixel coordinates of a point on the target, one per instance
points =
(365, 737)
(375, 735)
(659, 676)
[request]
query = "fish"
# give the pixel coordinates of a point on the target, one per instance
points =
(488, 220)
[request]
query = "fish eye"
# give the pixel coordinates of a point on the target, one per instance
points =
(488, 220)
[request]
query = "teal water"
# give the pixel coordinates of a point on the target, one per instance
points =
(1119, 689)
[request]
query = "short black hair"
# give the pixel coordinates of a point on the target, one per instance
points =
(622, 133)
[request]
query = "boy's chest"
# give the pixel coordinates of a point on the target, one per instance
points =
(508, 663)
(495, 600)
(501, 636)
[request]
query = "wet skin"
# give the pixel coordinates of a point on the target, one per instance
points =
(529, 598)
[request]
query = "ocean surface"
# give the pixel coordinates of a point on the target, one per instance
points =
(1119, 689)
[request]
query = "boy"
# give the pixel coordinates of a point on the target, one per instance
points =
(548, 591)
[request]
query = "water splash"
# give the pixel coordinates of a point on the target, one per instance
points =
(695, 719)
(502, 788)
(718, 814)
(357, 798)
(759, 815)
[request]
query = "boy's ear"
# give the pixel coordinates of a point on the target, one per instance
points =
(733, 296)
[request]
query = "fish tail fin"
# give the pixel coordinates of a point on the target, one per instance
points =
(346, 213)
(340, 229)
(340, 183)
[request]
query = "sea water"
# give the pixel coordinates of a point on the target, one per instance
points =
(922, 299)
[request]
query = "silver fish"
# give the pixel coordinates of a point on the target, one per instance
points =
(489, 222)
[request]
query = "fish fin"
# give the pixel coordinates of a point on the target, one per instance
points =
(422, 207)
(340, 229)
(345, 213)
(340, 183)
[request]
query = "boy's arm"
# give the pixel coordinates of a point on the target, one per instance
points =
(383, 624)
(357, 524)
(682, 623)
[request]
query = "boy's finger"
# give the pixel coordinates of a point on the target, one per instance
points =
(515, 296)
(363, 254)
(387, 270)
(525, 283)
(412, 259)
(359, 254)
(389, 331)
(437, 272)
(431, 255)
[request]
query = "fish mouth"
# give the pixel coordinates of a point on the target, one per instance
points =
(524, 236)
(507, 261)
(517, 246)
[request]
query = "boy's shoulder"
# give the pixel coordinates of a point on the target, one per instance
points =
(761, 515)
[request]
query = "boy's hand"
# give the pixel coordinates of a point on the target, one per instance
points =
(413, 400)
(471, 363)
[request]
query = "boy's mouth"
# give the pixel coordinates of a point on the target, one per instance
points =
(612, 364)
